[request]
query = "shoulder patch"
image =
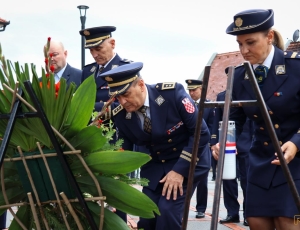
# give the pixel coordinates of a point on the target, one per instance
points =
(126, 60)
(94, 63)
(166, 85)
(291, 54)
(117, 110)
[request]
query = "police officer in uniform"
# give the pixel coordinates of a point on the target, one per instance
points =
(101, 44)
(230, 187)
(162, 117)
(194, 88)
(269, 204)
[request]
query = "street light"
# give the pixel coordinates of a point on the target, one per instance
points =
(82, 10)
(3, 24)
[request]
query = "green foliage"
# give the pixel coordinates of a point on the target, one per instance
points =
(68, 110)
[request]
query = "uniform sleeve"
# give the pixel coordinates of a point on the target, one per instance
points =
(189, 118)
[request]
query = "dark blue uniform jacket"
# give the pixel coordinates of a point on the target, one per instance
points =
(170, 143)
(281, 93)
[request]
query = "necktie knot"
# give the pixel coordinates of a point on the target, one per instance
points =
(143, 109)
(100, 70)
(261, 72)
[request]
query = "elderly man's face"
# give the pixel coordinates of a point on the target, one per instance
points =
(59, 56)
(104, 52)
(134, 97)
(195, 93)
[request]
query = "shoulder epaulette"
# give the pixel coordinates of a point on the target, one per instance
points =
(126, 60)
(166, 85)
(117, 110)
(291, 54)
(92, 66)
(94, 63)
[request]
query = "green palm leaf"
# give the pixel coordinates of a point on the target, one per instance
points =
(121, 196)
(81, 108)
(112, 162)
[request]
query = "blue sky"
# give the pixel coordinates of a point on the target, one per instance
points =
(174, 39)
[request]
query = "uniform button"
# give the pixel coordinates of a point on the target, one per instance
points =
(157, 86)
(163, 161)
(266, 143)
(280, 142)
(271, 112)
(101, 101)
(170, 140)
(262, 128)
(174, 149)
(255, 115)
(158, 152)
(276, 126)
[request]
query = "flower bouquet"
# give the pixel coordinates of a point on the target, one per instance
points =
(32, 176)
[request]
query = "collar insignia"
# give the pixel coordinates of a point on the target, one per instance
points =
(93, 69)
(160, 100)
(128, 116)
(280, 69)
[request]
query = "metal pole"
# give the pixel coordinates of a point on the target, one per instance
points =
(195, 149)
(82, 19)
(222, 141)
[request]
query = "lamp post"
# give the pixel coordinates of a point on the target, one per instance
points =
(82, 10)
(3, 24)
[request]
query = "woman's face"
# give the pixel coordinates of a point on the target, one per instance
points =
(255, 47)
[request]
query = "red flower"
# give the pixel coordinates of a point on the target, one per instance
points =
(49, 39)
(57, 85)
(47, 75)
(100, 121)
(51, 54)
(52, 68)
(46, 61)
(121, 149)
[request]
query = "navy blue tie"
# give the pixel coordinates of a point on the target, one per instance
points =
(261, 72)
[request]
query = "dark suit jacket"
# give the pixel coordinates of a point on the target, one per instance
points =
(171, 141)
(281, 93)
(72, 74)
(102, 87)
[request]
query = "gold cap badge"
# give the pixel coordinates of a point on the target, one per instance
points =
(108, 78)
(189, 81)
(238, 22)
(86, 32)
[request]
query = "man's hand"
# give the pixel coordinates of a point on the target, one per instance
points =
(173, 181)
(289, 150)
(215, 151)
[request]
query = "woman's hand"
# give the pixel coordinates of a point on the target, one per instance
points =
(289, 150)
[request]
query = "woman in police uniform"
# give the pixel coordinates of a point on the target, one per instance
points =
(269, 203)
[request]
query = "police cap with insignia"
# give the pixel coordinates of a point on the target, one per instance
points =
(120, 78)
(193, 84)
(96, 35)
(251, 21)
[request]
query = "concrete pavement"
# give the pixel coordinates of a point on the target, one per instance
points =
(205, 223)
